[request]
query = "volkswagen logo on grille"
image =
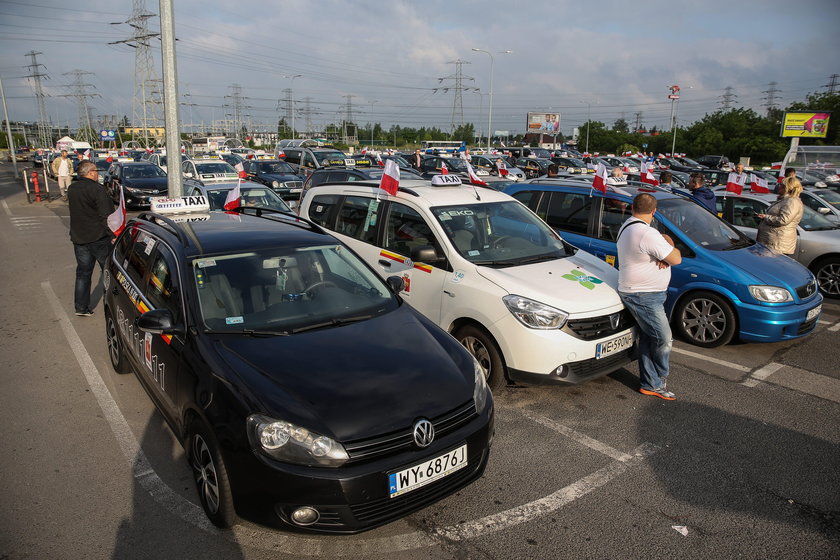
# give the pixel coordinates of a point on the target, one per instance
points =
(614, 319)
(424, 433)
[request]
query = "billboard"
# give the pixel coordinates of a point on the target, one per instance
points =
(108, 135)
(805, 125)
(548, 123)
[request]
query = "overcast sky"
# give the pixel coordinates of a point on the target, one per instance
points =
(390, 57)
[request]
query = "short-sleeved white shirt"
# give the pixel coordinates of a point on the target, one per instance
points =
(64, 167)
(640, 248)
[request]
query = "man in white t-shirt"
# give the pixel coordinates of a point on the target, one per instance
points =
(645, 257)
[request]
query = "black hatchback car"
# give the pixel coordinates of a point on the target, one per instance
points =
(306, 393)
(139, 181)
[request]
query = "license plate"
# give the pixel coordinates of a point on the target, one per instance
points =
(420, 475)
(614, 345)
(813, 313)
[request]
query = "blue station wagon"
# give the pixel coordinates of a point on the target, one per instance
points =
(727, 285)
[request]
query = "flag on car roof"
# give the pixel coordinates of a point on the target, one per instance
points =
(379, 161)
(233, 198)
(758, 185)
(599, 181)
(473, 177)
(646, 173)
(390, 182)
(241, 170)
(87, 154)
(443, 169)
(735, 182)
(109, 159)
(116, 219)
(502, 167)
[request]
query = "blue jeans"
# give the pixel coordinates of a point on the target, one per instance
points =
(86, 256)
(648, 308)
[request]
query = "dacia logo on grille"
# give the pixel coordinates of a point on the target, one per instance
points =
(614, 319)
(424, 433)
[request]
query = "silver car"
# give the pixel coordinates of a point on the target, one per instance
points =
(489, 163)
(818, 246)
(251, 194)
(824, 201)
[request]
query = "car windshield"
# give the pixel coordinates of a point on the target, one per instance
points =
(401, 161)
(330, 158)
(162, 160)
(831, 197)
(576, 162)
(215, 167)
(456, 164)
(143, 172)
(690, 162)
(261, 197)
(499, 234)
(274, 167)
(701, 226)
(287, 290)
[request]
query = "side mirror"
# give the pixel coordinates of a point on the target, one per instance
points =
(823, 210)
(187, 174)
(158, 321)
(425, 254)
(397, 283)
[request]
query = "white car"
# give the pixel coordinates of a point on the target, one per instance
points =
(208, 169)
(482, 266)
(158, 159)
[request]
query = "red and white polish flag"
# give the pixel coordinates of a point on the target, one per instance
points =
(241, 170)
(116, 219)
(735, 182)
(502, 167)
(647, 174)
(379, 161)
(473, 177)
(758, 185)
(233, 198)
(390, 182)
(599, 181)
(443, 169)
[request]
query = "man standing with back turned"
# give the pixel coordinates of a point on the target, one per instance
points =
(89, 231)
(645, 257)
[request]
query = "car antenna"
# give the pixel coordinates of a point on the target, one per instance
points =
(475, 190)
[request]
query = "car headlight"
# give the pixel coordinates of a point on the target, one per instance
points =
(535, 315)
(290, 443)
(481, 390)
(770, 294)
(275, 184)
(132, 190)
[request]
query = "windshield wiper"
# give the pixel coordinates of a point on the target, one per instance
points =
(740, 244)
(250, 332)
(536, 258)
(493, 263)
(332, 323)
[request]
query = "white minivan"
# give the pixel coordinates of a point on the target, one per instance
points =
(475, 261)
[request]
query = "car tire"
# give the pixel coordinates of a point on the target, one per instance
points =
(705, 319)
(827, 272)
(484, 349)
(210, 475)
(119, 361)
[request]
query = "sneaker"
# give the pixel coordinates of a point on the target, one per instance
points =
(662, 393)
(87, 313)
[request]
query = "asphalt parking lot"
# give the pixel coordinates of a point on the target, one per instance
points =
(745, 464)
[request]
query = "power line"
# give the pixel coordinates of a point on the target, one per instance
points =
(35, 74)
(832, 84)
(770, 99)
(81, 94)
(728, 98)
(458, 103)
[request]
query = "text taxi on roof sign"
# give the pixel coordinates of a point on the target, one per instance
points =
(483, 267)
(224, 316)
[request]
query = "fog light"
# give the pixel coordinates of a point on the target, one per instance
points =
(560, 371)
(305, 515)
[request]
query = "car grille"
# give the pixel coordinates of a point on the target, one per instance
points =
(593, 367)
(386, 508)
(293, 184)
(806, 291)
(593, 328)
(807, 325)
(394, 442)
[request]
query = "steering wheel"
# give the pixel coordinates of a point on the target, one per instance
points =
(318, 285)
(497, 244)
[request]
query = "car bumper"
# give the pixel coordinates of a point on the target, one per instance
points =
(771, 324)
(142, 200)
(534, 354)
(355, 497)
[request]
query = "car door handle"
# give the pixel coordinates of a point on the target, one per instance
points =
(386, 264)
(450, 294)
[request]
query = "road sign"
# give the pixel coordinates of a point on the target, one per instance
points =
(108, 135)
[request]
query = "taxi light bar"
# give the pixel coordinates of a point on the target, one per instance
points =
(181, 205)
(446, 181)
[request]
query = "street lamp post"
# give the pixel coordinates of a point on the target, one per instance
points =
(292, 91)
(674, 96)
(490, 110)
(371, 121)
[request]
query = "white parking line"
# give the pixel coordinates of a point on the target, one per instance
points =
(580, 438)
(835, 327)
(737, 367)
(6, 208)
(274, 541)
(761, 374)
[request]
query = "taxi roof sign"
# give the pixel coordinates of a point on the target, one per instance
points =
(446, 181)
(181, 205)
